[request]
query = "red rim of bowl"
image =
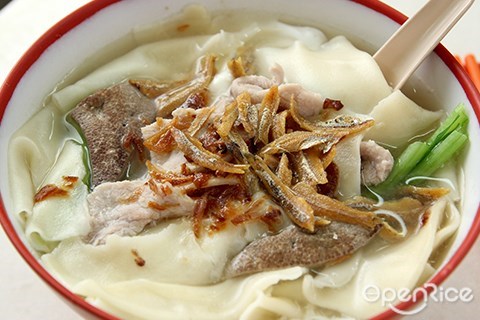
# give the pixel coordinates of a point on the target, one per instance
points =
(90, 9)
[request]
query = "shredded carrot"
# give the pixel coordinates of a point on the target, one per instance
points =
(473, 69)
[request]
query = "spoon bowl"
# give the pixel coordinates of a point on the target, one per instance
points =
(400, 56)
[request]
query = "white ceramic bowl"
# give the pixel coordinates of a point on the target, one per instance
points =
(368, 23)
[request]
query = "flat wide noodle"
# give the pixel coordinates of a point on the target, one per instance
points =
(144, 299)
(58, 218)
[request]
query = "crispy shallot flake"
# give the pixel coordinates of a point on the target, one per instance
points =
(183, 120)
(49, 191)
(166, 190)
(212, 141)
(160, 207)
(52, 191)
(332, 104)
(160, 175)
(260, 210)
(201, 179)
(69, 181)
(198, 213)
(153, 186)
(132, 197)
(138, 260)
(217, 206)
(183, 27)
(161, 142)
(196, 100)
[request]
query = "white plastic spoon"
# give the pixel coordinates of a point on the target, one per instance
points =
(400, 56)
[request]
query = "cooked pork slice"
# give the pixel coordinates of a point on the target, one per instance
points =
(377, 163)
(125, 208)
(110, 119)
(256, 86)
(293, 247)
(309, 103)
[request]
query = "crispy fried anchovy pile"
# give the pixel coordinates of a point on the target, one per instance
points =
(270, 147)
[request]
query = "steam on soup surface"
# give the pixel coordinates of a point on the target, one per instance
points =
(239, 168)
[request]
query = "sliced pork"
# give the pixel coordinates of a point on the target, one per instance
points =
(125, 208)
(377, 163)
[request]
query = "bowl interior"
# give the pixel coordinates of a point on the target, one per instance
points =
(436, 84)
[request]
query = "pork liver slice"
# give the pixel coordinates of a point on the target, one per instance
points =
(110, 120)
(293, 247)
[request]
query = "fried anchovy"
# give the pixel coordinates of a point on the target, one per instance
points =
(236, 67)
(297, 209)
(152, 88)
(309, 167)
(271, 160)
(252, 115)
(280, 124)
(406, 214)
(424, 194)
(228, 119)
(194, 150)
(269, 108)
(327, 158)
(302, 140)
(350, 123)
(172, 99)
(200, 121)
(239, 149)
(284, 172)
(316, 165)
(335, 210)
(244, 102)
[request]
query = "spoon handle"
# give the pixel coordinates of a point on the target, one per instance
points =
(400, 56)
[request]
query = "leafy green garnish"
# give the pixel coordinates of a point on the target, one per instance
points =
(424, 158)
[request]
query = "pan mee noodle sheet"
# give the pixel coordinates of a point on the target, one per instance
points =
(182, 275)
